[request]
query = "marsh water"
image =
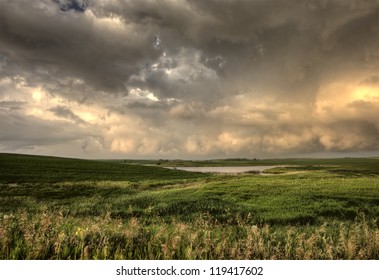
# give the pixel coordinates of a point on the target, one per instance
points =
(224, 169)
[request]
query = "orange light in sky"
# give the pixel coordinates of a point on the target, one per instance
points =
(365, 93)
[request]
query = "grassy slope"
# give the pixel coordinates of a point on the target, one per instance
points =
(309, 193)
(27, 169)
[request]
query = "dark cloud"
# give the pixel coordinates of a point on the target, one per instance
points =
(38, 38)
(12, 105)
(75, 5)
(19, 131)
(191, 78)
(66, 113)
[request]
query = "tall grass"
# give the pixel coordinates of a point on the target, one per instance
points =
(56, 236)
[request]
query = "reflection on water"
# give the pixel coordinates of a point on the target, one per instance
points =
(224, 169)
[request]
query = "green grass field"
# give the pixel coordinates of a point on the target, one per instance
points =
(57, 208)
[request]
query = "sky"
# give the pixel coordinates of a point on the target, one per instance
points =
(189, 79)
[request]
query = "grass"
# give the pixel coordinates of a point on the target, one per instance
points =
(55, 208)
(57, 236)
(30, 169)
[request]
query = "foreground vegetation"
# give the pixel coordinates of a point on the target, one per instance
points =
(57, 236)
(54, 208)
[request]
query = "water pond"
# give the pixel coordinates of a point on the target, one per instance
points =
(224, 169)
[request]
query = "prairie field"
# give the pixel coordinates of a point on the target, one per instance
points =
(59, 208)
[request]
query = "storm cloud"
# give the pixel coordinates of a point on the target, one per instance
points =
(189, 79)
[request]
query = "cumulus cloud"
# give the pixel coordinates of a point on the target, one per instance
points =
(189, 78)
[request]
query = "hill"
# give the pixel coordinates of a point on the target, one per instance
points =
(17, 168)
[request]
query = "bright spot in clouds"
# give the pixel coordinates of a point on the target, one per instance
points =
(38, 95)
(367, 93)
